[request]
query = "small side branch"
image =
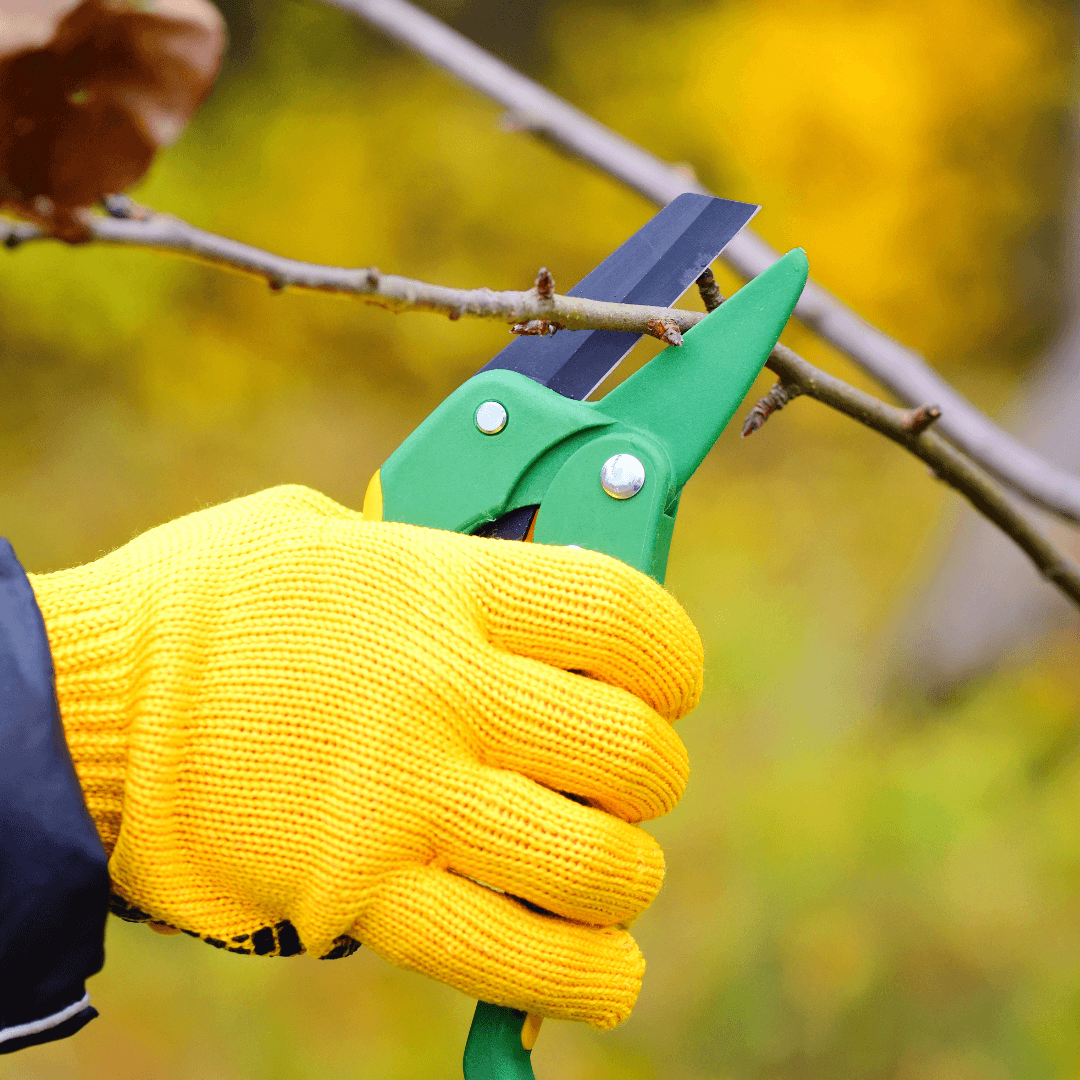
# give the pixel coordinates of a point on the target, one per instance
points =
(544, 284)
(710, 293)
(772, 402)
(908, 428)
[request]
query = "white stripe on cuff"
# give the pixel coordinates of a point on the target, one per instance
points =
(34, 1026)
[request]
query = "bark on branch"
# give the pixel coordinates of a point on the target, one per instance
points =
(538, 304)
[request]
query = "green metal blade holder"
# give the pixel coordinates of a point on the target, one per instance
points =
(550, 451)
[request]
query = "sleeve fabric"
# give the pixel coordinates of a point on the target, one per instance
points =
(54, 880)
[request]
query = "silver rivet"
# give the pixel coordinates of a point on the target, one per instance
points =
(622, 476)
(491, 418)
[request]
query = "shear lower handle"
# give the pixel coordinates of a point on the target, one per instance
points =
(495, 1049)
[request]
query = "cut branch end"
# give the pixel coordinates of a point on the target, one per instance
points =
(666, 330)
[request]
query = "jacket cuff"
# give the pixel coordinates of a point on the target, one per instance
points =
(54, 880)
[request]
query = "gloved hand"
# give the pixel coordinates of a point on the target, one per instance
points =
(295, 726)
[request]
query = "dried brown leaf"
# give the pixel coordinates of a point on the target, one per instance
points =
(90, 91)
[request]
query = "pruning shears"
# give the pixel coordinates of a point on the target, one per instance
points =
(518, 453)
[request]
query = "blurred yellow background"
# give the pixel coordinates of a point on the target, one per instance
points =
(863, 882)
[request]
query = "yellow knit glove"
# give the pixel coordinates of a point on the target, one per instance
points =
(298, 729)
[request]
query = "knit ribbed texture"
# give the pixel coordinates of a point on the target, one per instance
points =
(284, 716)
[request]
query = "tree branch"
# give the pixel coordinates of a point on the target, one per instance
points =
(900, 369)
(164, 232)
(908, 428)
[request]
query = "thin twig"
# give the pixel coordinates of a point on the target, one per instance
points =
(772, 402)
(710, 293)
(900, 369)
(532, 312)
(544, 283)
(946, 462)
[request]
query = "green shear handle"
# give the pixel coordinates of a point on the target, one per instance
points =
(605, 475)
(500, 1044)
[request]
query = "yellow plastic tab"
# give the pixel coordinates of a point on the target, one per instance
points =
(530, 1029)
(373, 500)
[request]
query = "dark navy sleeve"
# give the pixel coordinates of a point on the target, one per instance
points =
(54, 880)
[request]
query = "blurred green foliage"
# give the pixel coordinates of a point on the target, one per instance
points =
(862, 883)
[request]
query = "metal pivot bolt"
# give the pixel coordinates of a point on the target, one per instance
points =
(622, 476)
(491, 418)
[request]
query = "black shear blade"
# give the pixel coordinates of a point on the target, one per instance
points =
(655, 266)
